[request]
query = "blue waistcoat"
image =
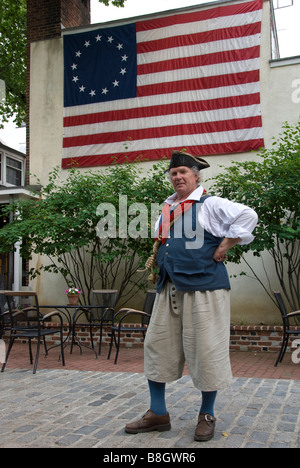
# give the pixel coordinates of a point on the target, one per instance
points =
(191, 269)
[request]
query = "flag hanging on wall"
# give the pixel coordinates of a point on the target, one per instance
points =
(181, 79)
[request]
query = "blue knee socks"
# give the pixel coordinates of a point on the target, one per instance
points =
(208, 402)
(158, 403)
(157, 394)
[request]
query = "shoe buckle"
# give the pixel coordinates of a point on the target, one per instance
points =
(208, 418)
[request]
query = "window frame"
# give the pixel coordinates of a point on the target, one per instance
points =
(3, 168)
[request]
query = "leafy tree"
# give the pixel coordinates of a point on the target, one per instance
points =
(13, 60)
(271, 187)
(117, 3)
(63, 225)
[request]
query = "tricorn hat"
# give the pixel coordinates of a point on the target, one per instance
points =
(181, 158)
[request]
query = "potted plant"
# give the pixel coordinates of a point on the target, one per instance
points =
(73, 295)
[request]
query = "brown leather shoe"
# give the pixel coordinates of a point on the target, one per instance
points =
(205, 429)
(149, 422)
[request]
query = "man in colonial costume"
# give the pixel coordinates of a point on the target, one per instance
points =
(191, 315)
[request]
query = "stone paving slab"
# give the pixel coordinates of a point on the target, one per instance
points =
(85, 409)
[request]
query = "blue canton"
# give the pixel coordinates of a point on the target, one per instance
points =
(100, 65)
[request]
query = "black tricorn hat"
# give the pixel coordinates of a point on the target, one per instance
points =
(181, 158)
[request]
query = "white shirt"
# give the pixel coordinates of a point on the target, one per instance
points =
(223, 218)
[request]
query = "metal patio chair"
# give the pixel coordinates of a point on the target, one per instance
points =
(99, 315)
(119, 324)
(32, 324)
(287, 332)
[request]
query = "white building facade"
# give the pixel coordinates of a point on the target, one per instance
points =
(280, 102)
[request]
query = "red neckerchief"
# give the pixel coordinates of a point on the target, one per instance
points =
(167, 218)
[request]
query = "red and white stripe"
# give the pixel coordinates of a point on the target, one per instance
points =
(197, 88)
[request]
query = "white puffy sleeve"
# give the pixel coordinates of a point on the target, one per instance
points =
(223, 218)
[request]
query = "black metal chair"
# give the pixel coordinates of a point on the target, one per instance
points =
(287, 332)
(32, 326)
(99, 315)
(2, 313)
(3, 321)
(119, 324)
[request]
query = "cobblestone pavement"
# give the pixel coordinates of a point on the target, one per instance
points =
(84, 409)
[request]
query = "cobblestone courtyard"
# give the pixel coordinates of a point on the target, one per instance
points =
(69, 408)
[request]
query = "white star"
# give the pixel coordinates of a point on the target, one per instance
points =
(110, 39)
(92, 93)
(124, 58)
(75, 78)
(81, 89)
(98, 38)
(104, 91)
(123, 71)
(74, 66)
(116, 83)
(78, 53)
(120, 46)
(87, 44)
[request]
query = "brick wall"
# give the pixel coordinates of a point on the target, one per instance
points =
(75, 13)
(45, 18)
(254, 338)
(257, 338)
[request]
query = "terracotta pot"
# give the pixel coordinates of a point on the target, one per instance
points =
(73, 299)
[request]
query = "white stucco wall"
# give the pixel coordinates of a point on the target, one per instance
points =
(46, 107)
(249, 302)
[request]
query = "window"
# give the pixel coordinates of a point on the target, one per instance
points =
(286, 14)
(283, 3)
(13, 171)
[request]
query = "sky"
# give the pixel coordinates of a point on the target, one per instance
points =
(101, 14)
(287, 18)
(287, 26)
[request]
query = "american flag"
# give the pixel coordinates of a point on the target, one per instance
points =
(185, 79)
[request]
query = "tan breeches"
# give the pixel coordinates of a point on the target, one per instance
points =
(191, 327)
